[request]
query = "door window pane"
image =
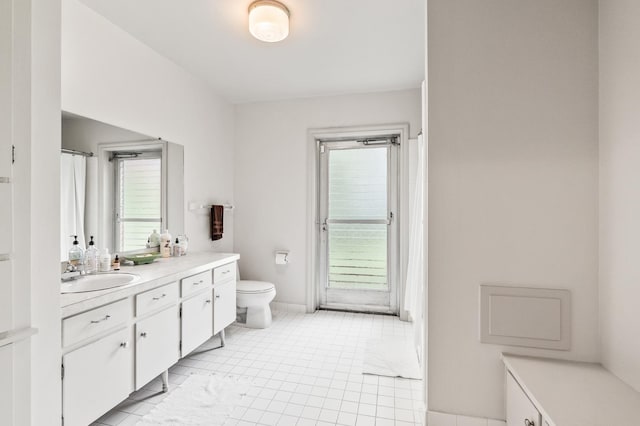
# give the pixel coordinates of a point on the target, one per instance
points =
(358, 256)
(358, 183)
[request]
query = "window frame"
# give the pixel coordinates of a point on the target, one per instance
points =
(106, 224)
(117, 192)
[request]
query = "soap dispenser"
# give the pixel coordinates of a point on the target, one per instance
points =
(76, 254)
(91, 258)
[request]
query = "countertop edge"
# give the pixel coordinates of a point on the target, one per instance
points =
(103, 297)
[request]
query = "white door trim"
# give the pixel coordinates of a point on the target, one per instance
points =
(313, 207)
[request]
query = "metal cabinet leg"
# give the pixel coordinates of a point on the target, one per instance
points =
(222, 338)
(165, 381)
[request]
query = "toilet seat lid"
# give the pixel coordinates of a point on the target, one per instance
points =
(245, 286)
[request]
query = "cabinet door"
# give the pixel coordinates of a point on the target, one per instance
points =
(197, 324)
(6, 385)
(96, 378)
(519, 407)
(157, 344)
(224, 305)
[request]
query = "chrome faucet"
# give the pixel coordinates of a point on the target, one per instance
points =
(71, 272)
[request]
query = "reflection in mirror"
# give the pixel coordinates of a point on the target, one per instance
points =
(118, 186)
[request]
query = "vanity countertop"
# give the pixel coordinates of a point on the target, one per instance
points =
(160, 272)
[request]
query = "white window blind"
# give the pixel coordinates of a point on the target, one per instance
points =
(138, 200)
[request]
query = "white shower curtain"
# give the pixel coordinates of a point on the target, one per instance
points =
(413, 296)
(73, 172)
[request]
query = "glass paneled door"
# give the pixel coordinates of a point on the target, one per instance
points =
(358, 198)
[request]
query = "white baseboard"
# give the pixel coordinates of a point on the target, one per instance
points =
(288, 307)
(436, 418)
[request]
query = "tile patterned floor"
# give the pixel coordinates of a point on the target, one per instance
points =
(305, 369)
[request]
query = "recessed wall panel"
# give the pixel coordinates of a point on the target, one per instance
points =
(525, 316)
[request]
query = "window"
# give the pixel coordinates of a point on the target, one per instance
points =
(138, 198)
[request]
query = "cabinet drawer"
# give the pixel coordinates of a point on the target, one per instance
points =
(195, 283)
(519, 407)
(156, 298)
(95, 321)
(224, 273)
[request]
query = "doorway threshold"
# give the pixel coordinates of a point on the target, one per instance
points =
(361, 309)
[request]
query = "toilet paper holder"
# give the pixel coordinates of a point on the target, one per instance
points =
(282, 257)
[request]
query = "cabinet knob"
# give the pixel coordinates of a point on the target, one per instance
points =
(208, 301)
(124, 345)
(217, 296)
(199, 282)
(528, 422)
(158, 298)
(143, 334)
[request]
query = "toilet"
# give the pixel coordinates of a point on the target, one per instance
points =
(255, 297)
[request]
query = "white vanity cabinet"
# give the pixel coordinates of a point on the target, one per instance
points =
(552, 392)
(118, 342)
(97, 377)
(520, 410)
(197, 326)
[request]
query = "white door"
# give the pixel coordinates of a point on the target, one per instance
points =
(197, 321)
(358, 209)
(157, 344)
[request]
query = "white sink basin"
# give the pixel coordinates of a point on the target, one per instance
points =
(98, 282)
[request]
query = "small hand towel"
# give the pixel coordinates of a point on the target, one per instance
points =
(217, 215)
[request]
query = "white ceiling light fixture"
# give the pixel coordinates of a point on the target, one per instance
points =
(268, 20)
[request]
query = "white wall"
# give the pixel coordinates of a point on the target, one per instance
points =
(271, 175)
(81, 134)
(38, 218)
(619, 188)
(109, 76)
(512, 179)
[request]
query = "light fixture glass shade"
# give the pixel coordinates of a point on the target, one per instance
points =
(268, 20)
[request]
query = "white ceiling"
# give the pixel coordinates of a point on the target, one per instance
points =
(334, 47)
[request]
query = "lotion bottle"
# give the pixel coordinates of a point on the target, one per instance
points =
(105, 261)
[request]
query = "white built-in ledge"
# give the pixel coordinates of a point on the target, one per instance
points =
(575, 393)
(14, 336)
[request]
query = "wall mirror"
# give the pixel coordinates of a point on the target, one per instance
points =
(117, 186)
